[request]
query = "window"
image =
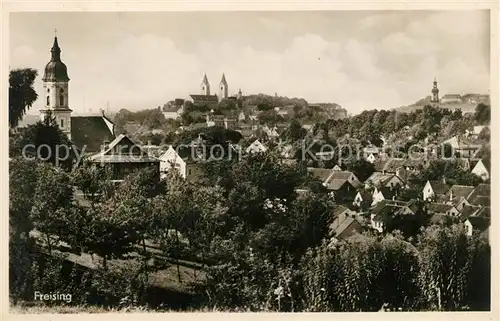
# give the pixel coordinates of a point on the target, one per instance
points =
(48, 100)
(61, 100)
(61, 90)
(62, 123)
(48, 90)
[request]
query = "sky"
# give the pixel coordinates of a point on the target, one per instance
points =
(358, 59)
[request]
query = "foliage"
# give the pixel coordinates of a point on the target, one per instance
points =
(44, 141)
(22, 94)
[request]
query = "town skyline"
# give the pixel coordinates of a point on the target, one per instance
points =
(141, 60)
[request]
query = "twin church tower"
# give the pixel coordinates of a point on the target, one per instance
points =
(223, 87)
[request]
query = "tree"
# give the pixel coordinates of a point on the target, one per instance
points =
(294, 132)
(445, 264)
(22, 94)
(361, 168)
(45, 141)
(52, 203)
(22, 186)
(482, 114)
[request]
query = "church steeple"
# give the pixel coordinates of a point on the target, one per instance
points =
(223, 87)
(55, 51)
(205, 86)
(55, 85)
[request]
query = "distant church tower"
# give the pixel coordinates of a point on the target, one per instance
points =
(223, 89)
(435, 92)
(55, 86)
(205, 86)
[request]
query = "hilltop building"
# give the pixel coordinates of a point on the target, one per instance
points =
(435, 92)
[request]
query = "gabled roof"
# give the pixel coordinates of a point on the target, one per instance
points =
(204, 98)
(480, 190)
(439, 187)
(469, 210)
(321, 173)
(344, 225)
(486, 163)
(123, 150)
(484, 212)
(480, 200)
(479, 223)
(366, 195)
(339, 178)
(459, 191)
(439, 208)
(380, 179)
(339, 209)
(91, 132)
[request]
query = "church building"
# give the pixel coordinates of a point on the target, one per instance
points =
(206, 98)
(87, 133)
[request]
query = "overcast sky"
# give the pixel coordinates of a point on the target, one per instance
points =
(358, 59)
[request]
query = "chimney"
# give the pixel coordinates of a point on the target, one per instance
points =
(451, 195)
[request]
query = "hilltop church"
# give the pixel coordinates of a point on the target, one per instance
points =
(206, 98)
(89, 131)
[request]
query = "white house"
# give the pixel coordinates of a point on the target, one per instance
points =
(435, 188)
(256, 147)
(476, 223)
(171, 160)
(482, 169)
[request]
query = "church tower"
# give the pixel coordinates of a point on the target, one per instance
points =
(55, 90)
(223, 88)
(205, 86)
(435, 92)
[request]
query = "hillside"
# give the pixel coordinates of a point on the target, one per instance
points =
(467, 105)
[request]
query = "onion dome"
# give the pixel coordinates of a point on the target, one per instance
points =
(55, 70)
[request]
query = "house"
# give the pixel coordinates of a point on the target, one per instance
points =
(185, 160)
(221, 121)
(464, 147)
(382, 214)
(482, 169)
(123, 157)
(383, 193)
(476, 130)
(451, 98)
(363, 199)
(435, 189)
(342, 183)
(336, 168)
(241, 116)
(371, 153)
(476, 224)
(173, 109)
(384, 180)
(89, 133)
(344, 226)
(480, 196)
(469, 210)
(457, 196)
(439, 208)
(256, 147)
